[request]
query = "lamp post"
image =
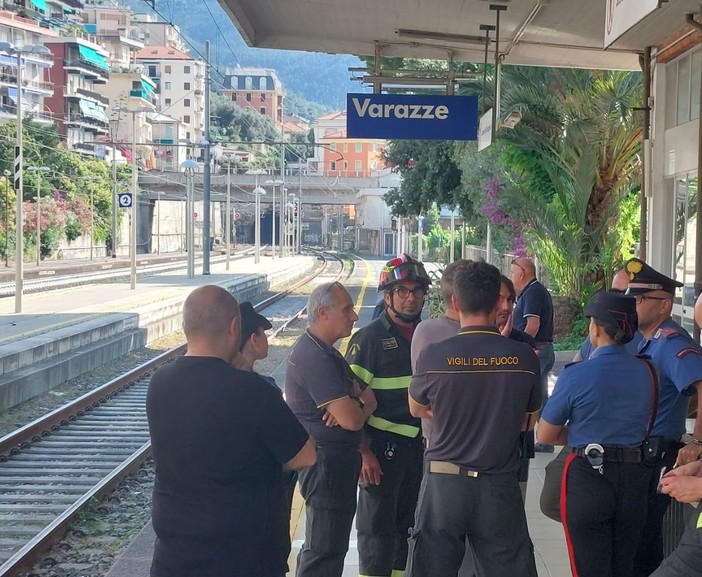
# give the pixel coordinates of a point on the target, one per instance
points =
(38, 170)
(9, 48)
(92, 178)
(133, 211)
(7, 174)
(190, 166)
(275, 183)
(114, 125)
(228, 218)
(258, 191)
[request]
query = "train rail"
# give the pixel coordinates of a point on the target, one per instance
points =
(48, 283)
(52, 468)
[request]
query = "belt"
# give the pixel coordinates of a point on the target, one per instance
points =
(615, 454)
(446, 468)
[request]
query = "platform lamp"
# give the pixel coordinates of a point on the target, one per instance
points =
(9, 48)
(7, 174)
(274, 183)
(38, 170)
(135, 186)
(190, 166)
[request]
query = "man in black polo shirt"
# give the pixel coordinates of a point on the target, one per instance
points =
(533, 314)
(478, 386)
(332, 405)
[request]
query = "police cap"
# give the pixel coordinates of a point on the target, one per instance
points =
(615, 311)
(251, 321)
(643, 279)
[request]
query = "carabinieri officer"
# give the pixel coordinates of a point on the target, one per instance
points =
(609, 404)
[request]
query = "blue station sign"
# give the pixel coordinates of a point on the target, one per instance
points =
(395, 116)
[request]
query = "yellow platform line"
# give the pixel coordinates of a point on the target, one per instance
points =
(359, 300)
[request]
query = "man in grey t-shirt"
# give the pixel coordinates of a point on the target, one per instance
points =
(439, 329)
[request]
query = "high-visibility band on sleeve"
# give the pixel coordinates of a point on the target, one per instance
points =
(383, 425)
(699, 522)
(362, 373)
(391, 382)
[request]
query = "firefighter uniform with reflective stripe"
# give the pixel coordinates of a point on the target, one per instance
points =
(380, 355)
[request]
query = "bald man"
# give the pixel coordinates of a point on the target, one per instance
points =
(533, 314)
(220, 438)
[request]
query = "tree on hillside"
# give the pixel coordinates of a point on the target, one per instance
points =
(244, 124)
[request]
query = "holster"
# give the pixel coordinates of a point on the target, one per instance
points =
(652, 450)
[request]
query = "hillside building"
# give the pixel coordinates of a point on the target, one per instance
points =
(257, 88)
(80, 65)
(36, 69)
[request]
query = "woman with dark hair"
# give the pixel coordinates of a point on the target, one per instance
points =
(604, 408)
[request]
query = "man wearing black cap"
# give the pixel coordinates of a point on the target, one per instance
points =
(679, 362)
(605, 481)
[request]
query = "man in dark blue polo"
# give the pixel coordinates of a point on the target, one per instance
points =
(533, 314)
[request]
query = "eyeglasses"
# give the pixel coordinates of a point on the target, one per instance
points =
(403, 292)
(519, 266)
(641, 298)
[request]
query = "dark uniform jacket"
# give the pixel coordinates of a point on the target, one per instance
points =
(380, 356)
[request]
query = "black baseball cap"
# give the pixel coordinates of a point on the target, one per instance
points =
(251, 321)
(614, 310)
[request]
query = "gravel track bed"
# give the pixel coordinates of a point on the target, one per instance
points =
(103, 531)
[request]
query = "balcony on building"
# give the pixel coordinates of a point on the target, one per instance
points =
(87, 61)
(144, 89)
(84, 94)
(88, 116)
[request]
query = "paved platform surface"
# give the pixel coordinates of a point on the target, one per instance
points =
(47, 311)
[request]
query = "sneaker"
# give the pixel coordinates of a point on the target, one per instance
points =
(539, 448)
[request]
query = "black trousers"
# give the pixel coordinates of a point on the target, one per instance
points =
(487, 510)
(603, 516)
(686, 560)
(329, 490)
(386, 511)
(650, 552)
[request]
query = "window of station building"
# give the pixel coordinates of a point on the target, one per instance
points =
(263, 83)
(248, 83)
(262, 110)
(359, 147)
(685, 247)
(167, 69)
(263, 97)
(186, 69)
(233, 96)
(186, 102)
(248, 97)
(186, 119)
(332, 165)
(332, 146)
(358, 165)
(682, 89)
(186, 85)
(346, 146)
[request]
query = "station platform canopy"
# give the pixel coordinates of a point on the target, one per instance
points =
(560, 33)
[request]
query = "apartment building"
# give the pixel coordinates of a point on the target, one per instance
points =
(256, 88)
(80, 65)
(167, 134)
(350, 157)
(36, 69)
(155, 32)
(112, 24)
(180, 81)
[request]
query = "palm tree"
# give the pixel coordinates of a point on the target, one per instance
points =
(573, 160)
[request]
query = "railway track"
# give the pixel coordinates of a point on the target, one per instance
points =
(52, 468)
(48, 283)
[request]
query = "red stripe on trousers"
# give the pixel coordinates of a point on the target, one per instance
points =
(564, 517)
